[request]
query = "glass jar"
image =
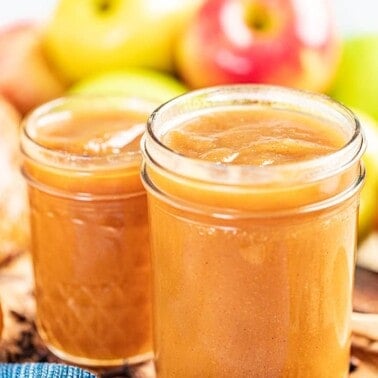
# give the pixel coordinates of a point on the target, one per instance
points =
(253, 260)
(89, 228)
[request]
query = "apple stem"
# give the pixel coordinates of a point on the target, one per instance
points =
(257, 17)
(104, 5)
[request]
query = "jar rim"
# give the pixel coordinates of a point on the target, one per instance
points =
(315, 169)
(65, 107)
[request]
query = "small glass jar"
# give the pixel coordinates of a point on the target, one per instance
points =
(1, 320)
(89, 228)
(253, 263)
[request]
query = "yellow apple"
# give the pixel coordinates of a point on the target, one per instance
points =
(92, 36)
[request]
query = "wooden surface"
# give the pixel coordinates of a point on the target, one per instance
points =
(20, 341)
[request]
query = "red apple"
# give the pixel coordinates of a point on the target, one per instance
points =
(285, 42)
(26, 78)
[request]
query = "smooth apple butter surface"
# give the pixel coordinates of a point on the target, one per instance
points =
(90, 236)
(247, 282)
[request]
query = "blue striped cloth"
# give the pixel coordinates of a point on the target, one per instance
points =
(42, 370)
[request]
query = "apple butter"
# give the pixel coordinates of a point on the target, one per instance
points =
(89, 226)
(253, 200)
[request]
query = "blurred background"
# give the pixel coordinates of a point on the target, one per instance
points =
(352, 16)
(356, 17)
(161, 48)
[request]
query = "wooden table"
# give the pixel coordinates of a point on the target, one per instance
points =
(21, 343)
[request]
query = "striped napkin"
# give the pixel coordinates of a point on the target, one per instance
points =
(42, 370)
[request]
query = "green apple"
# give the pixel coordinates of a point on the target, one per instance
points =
(149, 84)
(87, 37)
(369, 193)
(356, 83)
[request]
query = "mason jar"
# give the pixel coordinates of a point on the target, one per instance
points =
(253, 195)
(89, 227)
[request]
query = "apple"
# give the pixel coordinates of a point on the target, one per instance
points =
(14, 216)
(88, 37)
(284, 42)
(356, 82)
(369, 193)
(26, 78)
(146, 83)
